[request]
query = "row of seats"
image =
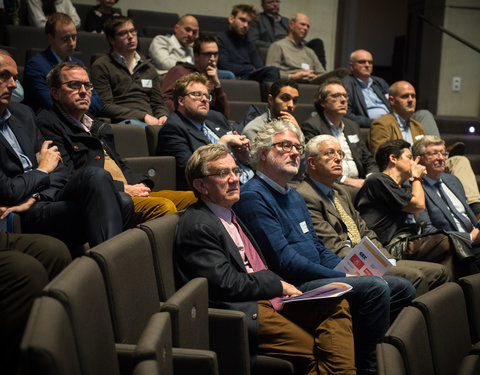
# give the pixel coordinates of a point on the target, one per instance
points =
(103, 315)
(438, 335)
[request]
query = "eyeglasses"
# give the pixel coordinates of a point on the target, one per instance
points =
(198, 95)
(363, 62)
(124, 33)
(439, 153)
(67, 38)
(287, 146)
(77, 85)
(331, 154)
(339, 95)
(225, 174)
(208, 54)
(5, 76)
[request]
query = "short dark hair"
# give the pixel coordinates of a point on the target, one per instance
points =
(277, 86)
(322, 92)
(55, 18)
(113, 22)
(249, 9)
(395, 148)
(180, 88)
(203, 38)
(54, 77)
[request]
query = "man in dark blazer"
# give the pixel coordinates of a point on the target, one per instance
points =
(323, 173)
(193, 125)
(211, 242)
(33, 180)
(446, 205)
(331, 105)
(62, 38)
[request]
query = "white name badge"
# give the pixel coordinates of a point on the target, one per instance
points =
(305, 66)
(147, 83)
(353, 138)
(418, 137)
(303, 226)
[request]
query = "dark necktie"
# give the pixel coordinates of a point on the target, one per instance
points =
(466, 224)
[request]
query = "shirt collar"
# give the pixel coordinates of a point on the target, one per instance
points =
(369, 84)
(69, 58)
(222, 212)
(4, 118)
(86, 123)
(323, 188)
(403, 123)
(136, 59)
(273, 184)
(339, 130)
(430, 181)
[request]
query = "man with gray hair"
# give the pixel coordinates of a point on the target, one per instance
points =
(446, 205)
(337, 221)
(278, 218)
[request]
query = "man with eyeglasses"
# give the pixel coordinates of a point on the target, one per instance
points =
(339, 224)
(84, 141)
(193, 124)
(331, 105)
(62, 39)
(127, 82)
(282, 100)
(446, 204)
(205, 50)
(279, 221)
(35, 183)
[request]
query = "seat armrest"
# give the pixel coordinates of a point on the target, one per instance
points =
(126, 358)
(160, 169)
(203, 361)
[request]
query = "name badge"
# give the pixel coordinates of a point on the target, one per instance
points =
(305, 66)
(303, 226)
(147, 83)
(418, 137)
(353, 138)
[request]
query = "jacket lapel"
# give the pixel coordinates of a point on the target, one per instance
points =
(437, 201)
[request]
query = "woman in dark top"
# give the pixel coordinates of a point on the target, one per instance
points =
(97, 15)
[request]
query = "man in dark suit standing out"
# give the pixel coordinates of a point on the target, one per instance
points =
(446, 205)
(325, 199)
(193, 125)
(211, 242)
(331, 105)
(33, 180)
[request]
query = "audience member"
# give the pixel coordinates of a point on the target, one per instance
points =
(62, 40)
(339, 224)
(446, 205)
(39, 10)
(27, 263)
(166, 51)
(33, 181)
(279, 221)
(295, 60)
(193, 125)
(212, 243)
(127, 82)
(205, 51)
(270, 26)
(237, 53)
(331, 105)
(400, 125)
(84, 141)
(98, 14)
(282, 100)
(387, 206)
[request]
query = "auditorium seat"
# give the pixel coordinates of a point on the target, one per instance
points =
(471, 290)
(241, 90)
(143, 18)
(23, 38)
(211, 24)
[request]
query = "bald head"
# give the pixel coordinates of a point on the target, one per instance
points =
(402, 98)
(361, 64)
(186, 30)
(298, 27)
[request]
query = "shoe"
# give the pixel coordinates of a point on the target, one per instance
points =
(458, 148)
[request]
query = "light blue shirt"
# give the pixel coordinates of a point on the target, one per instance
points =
(273, 184)
(375, 106)
(404, 128)
(10, 137)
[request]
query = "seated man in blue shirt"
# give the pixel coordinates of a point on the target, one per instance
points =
(278, 219)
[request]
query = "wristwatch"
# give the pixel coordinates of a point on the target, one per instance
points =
(411, 179)
(36, 196)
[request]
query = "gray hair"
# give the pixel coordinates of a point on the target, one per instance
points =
(311, 149)
(419, 146)
(264, 138)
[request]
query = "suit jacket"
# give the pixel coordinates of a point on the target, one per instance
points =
(327, 221)
(37, 93)
(316, 125)
(357, 109)
(15, 184)
(80, 149)
(436, 214)
(386, 128)
(180, 138)
(203, 248)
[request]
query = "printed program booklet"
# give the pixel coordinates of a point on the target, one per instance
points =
(326, 291)
(364, 259)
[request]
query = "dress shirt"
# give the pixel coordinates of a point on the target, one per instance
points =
(273, 184)
(12, 140)
(123, 61)
(375, 106)
(69, 58)
(404, 128)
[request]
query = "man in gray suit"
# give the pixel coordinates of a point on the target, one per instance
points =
(446, 205)
(325, 199)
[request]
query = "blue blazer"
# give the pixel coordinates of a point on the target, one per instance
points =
(37, 93)
(436, 214)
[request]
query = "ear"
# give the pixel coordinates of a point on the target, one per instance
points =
(176, 27)
(230, 19)
(54, 93)
(392, 159)
(199, 185)
(181, 101)
(311, 163)
(391, 100)
(270, 100)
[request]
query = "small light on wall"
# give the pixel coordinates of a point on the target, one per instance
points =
(471, 129)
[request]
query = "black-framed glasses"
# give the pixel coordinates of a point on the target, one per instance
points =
(331, 154)
(287, 146)
(77, 85)
(224, 173)
(67, 38)
(124, 33)
(198, 95)
(208, 54)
